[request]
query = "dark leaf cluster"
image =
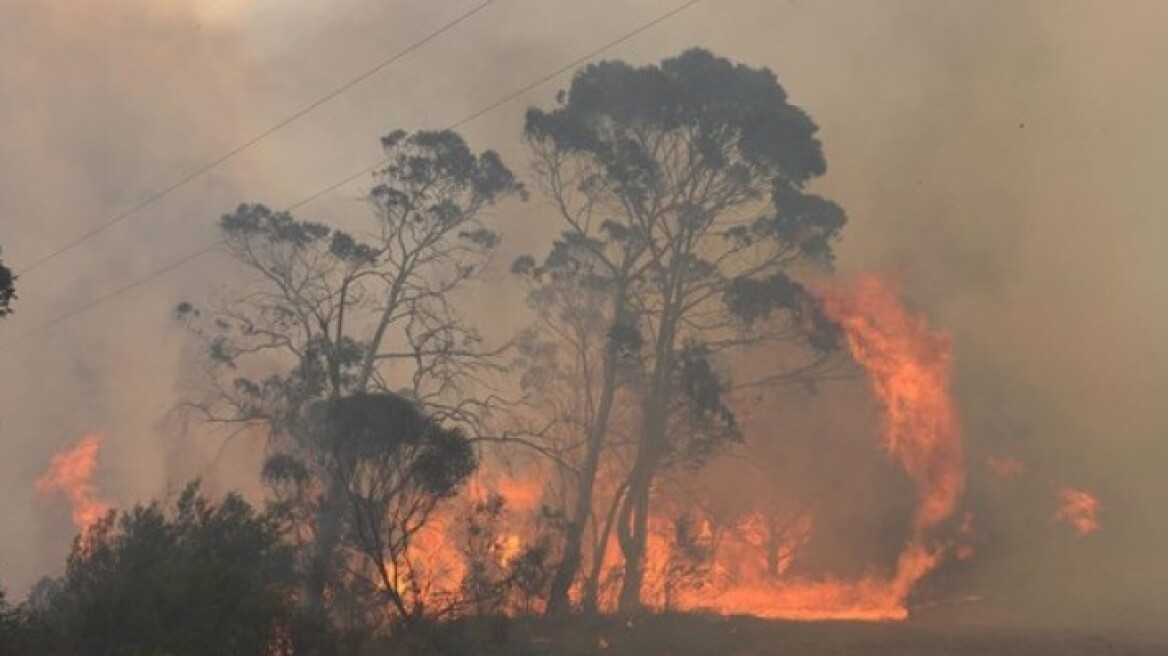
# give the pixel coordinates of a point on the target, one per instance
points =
(734, 116)
(206, 577)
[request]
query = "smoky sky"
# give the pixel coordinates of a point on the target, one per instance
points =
(1002, 160)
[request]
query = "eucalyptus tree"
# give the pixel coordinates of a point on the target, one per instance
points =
(577, 361)
(328, 314)
(683, 186)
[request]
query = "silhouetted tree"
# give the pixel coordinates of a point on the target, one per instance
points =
(391, 466)
(501, 575)
(682, 184)
(572, 363)
(11, 624)
(690, 561)
(332, 314)
(206, 577)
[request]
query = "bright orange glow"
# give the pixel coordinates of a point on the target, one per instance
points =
(437, 555)
(1079, 509)
(909, 368)
(741, 564)
(71, 473)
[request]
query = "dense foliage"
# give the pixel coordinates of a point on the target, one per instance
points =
(202, 577)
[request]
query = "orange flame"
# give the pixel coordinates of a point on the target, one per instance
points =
(1080, 509)
(437, 558)
(909, 367)
(742, 564)
(71, 473)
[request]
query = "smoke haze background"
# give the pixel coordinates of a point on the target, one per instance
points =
(1003, 160)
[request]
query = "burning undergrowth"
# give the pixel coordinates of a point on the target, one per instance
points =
(780, 551)
(908, 367)
(742, 560)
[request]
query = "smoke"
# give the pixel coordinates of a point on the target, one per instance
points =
(103, 104)
(1011, 189)
(1001, 160)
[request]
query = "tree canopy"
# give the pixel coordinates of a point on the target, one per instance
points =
(350, 349)
(379, 472)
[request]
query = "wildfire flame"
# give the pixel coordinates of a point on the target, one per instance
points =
(909, 368)
(741, 565)
(1080, 509)
(71, 473)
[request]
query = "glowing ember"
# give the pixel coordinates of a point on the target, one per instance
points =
(1080, 509)
(71, 473)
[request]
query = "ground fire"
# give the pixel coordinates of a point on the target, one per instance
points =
(694, 564)
(908, 365)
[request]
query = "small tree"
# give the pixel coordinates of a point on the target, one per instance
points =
(332, 314)
(206, 577)
(393, 466)
(576, 365)
(690, 560)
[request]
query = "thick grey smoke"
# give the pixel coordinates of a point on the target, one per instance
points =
(1001, 159)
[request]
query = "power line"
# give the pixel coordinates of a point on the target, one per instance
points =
(511, 96)
(661, 18)
(202, 170)
(177, 264)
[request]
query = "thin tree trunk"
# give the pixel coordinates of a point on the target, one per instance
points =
(633, 527)
(558, 601)
(328, 536)
(632, 530)
(591, 601)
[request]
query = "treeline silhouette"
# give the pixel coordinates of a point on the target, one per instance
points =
(683, 229)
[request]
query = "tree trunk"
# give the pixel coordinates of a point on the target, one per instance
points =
(633, 527)
(328, 536)
(591, 596)
(558, 601)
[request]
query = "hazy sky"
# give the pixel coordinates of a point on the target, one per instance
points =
(1003, 159)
